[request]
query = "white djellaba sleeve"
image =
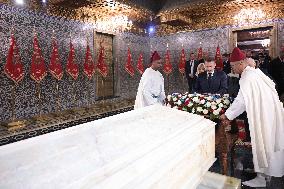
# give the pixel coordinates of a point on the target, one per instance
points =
(150, 88)
(237, 107)
(145, 91)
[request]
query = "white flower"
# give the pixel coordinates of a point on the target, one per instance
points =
(175, 99)
(220, 105)
(195, 99)
(226, 95)
(179, 102)
(209, 98)
(208, 104)
(199, 109)
(219, 109)
(213, 107)
(216, 112)
(202, 101)
(225, 106)
(227, 102)
(218, 101)
(193, 110)
(205, 111)
(190, 104)
(213, 103)
(169, 97)
(189, 95)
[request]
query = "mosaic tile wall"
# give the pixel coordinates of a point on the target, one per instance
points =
(24, 22)
(281, 34)
(126, 86)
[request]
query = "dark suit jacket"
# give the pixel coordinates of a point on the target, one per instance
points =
(188, 68)
(276, 70)
(219, 83)
(227, 67)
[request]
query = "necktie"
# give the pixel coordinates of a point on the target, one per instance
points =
(209, 78)
(191, 66)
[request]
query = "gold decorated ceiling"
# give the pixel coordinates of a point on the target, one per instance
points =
(169, 16)
(210, 14)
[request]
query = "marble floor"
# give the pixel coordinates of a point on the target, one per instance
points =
(248, 174)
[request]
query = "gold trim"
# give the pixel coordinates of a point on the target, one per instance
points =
(14, 125)
(274, 44)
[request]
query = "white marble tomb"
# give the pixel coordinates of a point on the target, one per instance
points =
(150, 148)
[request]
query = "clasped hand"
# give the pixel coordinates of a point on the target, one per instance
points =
(224, 120)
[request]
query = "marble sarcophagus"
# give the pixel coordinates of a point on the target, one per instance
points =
(150, 148)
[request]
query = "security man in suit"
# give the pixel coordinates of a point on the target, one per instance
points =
(212, 81)
(190, 71)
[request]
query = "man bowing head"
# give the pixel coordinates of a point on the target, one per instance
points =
(258, 97)
(151, 87)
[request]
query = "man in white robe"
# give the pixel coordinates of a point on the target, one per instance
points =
(151, 87)
(258, 97)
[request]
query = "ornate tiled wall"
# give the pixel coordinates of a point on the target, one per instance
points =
(24, 22)
(281, 34)
(126, 86)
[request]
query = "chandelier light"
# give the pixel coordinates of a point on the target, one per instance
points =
(249, 16)
(115, 24)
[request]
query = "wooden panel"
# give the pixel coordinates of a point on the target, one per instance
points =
(273, 47)
(105, 85)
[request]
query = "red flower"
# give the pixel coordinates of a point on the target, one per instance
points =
(186, 102)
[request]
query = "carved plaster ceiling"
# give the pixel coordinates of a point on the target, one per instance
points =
(169, 16)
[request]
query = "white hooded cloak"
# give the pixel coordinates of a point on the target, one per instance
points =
(258, 97)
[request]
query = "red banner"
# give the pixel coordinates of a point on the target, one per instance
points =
(181, 66)
(38, 69)
(129, 66)
(72, 68)
(218, 59)
(89, 66)
(168, 68)
(14, 69)
(140, 66)
(101, 66)
(55, 67)
(199, 53)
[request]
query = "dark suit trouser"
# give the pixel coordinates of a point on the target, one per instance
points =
(191, 82)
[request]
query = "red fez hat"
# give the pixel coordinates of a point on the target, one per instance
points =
(237, 55)
(155, 56)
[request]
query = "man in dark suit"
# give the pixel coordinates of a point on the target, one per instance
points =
(211, 81)
(276, 70)
(190, 71)
(226, 63)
